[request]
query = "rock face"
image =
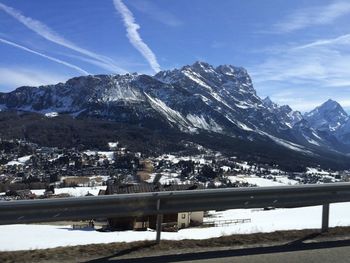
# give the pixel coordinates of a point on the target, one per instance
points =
(193, 99)
(330, 116)
(331, 120)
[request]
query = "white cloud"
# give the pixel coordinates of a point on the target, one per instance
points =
(134, 37)
(156, 13)
(306, 103)
(341, 40)
(11, 78)
(324, 65)
(313, 16)
(306, 75)
(50, 35)
(59, 61)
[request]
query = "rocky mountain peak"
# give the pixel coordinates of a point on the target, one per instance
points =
(193, 98)
(269, 103)
(330, 104)
(327, 117)
(201, 65)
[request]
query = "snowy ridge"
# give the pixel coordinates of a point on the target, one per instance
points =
(287, 144)
(194, 98)
(330, 116)
(201, 122)
(172, 115)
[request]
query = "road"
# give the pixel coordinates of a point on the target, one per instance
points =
(327, 251)
(283, 246)
(339, 255)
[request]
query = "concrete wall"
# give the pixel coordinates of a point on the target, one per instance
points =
(197, 217)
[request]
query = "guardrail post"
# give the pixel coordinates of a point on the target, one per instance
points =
(159, 222)
(325, 217)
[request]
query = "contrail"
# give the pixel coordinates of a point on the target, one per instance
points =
(44, 56)
(50, 35)
(134, 36)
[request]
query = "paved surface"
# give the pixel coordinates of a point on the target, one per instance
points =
(337, 251)
(337, 255)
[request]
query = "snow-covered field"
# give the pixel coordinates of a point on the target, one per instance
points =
(19, 161)
(24, 237)
(74, 191)
(259, 181)
(175, 159)
(167, 178)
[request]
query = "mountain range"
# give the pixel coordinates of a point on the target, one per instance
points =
(216, 107)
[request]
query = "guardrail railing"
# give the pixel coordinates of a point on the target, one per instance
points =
(159, 203)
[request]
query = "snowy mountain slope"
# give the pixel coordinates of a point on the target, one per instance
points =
(332, 123)
(327, 117)
(229, 91)
(193, 99)
(284, 113)
(343, 132)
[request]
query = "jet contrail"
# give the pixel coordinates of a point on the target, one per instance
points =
(44, 56)
(50, 35)
(134, 36)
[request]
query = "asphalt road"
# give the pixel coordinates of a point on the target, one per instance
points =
(337, 251)
(337, 255)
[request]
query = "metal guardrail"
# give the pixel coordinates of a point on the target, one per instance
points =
(30, 211)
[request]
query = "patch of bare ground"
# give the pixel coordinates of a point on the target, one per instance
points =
(148, 248)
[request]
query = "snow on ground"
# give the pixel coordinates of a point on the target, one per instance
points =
(316, 171)
(25, 237)
(284, 180)
(113, 145)
(12, 163)
(109, 154)
(24, 159)
(254, 180)
(166, 178)
(244, 165)
(225, 168)
(262, 181)
(175, 159)
(276, 171)
(19, 161)
(74, 191)
(51, 114)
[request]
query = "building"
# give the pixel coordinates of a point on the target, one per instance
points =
(171, 222)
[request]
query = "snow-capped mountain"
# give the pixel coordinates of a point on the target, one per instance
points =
(332, 123)
(193, 99)
(284, 113)
(329, 117)
(343, 132)
(199, 96)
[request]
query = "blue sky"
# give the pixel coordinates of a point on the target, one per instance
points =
(297, 52)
